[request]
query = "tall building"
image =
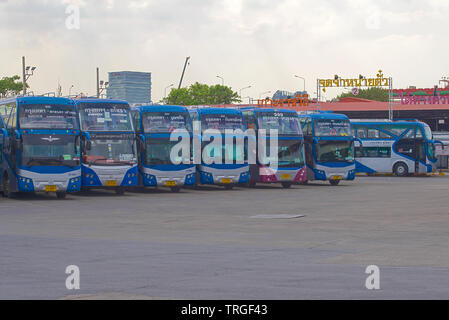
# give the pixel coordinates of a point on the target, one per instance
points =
(134, 87)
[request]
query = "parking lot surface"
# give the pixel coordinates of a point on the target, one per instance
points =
(308, 242)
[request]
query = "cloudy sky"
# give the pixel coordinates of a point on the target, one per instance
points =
(262, 43)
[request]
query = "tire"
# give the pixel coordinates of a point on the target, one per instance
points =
(400, 169)
(120, 191)
(6, 190)
(61, 195)
(334, 182)
(175, 189)
(286, 185)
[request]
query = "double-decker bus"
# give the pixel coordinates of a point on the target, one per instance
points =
(41, 146)
(154, 126)
(233, 168)
(290, 166)
(109, 153)
(329, 146)
(398, 147)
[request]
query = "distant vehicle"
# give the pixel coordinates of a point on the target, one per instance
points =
(329, 147)
(154, 125)
(290, 152)
(40, 146)
(224, 174)
(398, 147)
(109, 155)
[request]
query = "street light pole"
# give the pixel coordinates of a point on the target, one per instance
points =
(222, 80)
(26, 74)
(303, 79)
(243, 89)
(165, 90)
(260, 95)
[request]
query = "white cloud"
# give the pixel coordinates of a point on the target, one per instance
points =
(248, 42)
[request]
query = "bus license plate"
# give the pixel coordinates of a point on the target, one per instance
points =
(285, 176)
(111, 183)
(51, 188)
(336, 178)
(226, 180)
(170, 183)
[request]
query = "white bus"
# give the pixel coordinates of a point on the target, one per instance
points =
(398, 147)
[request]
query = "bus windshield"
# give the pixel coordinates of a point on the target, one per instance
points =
(222, 122)
(285, 123)
(332, 127)
(47, 116)
(157, 152)
(49, 150)
(105, 117)
(335, 151)
(111, 150)
(290, 153)
(165, 121)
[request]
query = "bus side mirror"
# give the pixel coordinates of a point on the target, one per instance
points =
(439, 142)
(359, 141)
(315, 140)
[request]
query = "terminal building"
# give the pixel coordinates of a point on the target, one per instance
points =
(134, 87)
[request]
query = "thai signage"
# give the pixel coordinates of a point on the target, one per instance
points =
(298, 101)
(411, 99)
(379, 81)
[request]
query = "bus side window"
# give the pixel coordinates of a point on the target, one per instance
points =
(361, 133)
(12, 120)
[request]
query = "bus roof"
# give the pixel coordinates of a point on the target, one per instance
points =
(325, 115)
(160, 108)
(37, 100)
(377, 121)
(218, 111)
(95, 100)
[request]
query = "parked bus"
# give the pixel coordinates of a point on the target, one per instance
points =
(154, 125)
(290, 146)
(398, 147)
(329, 147)
(109, 155)
(40, 141)
(224, 174)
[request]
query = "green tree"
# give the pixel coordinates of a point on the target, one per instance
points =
(377, 94)
(10, 86)
(198, 94)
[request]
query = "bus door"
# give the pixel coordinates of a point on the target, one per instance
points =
(420, 148)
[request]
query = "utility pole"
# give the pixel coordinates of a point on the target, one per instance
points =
(183, 70)
(98, 83)
(24, 80)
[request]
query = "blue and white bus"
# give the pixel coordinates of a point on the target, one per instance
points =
(154, 125)
(291, 167)
(398, 147)
(236, 171)
(109, 153)
(41, 146)
(329, 146)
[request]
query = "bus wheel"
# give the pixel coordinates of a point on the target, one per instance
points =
(286, 185)
(334, 182)
(119, 191)
(400, 169)
(61, 195)
(175, 189)
(6, 190)
(229, 187)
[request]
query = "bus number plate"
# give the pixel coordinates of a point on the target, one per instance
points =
(111, 183)
(170, 183)
(336, 178)
(51, 188)
(226, 180)
(285, 176)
